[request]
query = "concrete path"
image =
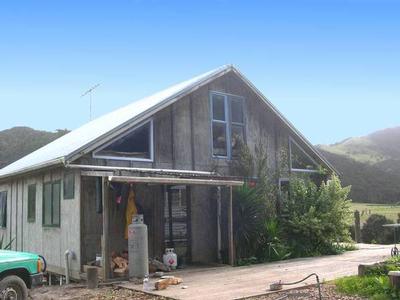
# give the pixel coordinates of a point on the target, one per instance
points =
(226, 282)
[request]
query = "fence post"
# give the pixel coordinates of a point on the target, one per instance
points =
(357, 226)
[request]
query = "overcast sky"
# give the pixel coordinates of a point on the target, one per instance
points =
(332, 67)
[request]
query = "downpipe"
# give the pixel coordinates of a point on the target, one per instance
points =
(68, 255)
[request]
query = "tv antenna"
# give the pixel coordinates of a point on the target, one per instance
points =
(89, 91)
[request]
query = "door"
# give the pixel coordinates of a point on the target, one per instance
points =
(177, 223)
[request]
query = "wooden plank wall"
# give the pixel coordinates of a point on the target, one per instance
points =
(33, 237)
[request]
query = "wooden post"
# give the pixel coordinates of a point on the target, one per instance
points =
(230, 230)
(219, 224)
(92, 277)
(357, 227)
(106, 230)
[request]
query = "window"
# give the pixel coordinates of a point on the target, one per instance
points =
(284, 189)
(137, 144)
(31, 203)
(51, 203)
(284, 196)
(227, 124)
(69, 186)
(300, 161)
(3, 209)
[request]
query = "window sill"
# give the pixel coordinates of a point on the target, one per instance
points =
(51, 226)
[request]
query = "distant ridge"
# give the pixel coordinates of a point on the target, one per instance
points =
(371, 164)
(17, 142)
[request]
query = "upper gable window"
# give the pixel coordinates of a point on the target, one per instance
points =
(300, 160)
(137, 144)
(227, 124)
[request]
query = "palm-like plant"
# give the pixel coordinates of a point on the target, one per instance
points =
(249, 210)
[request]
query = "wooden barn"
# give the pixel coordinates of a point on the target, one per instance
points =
(174, 150)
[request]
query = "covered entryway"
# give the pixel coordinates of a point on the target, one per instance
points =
(183, 209)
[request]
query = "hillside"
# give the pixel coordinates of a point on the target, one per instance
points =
(371, 164)
(17, 142)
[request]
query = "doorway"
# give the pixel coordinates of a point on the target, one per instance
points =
(177, 230)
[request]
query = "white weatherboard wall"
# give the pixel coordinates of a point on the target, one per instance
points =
(51, 242)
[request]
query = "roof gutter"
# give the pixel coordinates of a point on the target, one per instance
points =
(58, 161)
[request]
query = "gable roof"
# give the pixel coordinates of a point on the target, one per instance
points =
(87, 137)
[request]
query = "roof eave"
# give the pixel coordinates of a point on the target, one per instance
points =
(51, 163)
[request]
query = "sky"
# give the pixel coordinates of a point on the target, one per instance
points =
(331, 67)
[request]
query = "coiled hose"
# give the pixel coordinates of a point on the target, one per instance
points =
(296, 282)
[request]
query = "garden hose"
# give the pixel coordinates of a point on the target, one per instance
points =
(278, 285)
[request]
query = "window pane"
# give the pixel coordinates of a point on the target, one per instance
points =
(237, 139)
(236, 110)
(219, 139)
(56, 203)
(3, 209)
(133, 145)
(300, 160)
(32, 203)
(218, 104)
(47, 203)
(69, 185)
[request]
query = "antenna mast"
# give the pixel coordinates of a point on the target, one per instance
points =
(89, 91)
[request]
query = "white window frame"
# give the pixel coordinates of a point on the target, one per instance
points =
(228, 123)
(291, 140)
(151, 159)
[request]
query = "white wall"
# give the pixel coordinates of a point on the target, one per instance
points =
(51, 242)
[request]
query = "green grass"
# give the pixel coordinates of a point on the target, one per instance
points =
(366, 286)
(374, 285)
(367, 209)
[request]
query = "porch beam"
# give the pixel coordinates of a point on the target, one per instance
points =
(140, 170)
(171, 180)
(96, 173)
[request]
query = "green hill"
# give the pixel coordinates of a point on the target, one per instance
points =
(371, 164)
(17, 142)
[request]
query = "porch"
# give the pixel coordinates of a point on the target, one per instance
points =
(186, 210)
(225, 282)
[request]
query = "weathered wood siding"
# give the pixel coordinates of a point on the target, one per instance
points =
(51, 242)
(182, 140)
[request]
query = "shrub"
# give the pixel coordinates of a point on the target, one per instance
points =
(272, 248)
(316, 218)
(366, 286)
(374, 232)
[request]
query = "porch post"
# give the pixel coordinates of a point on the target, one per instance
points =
(106, 229)
(230, 230)
(219, 224)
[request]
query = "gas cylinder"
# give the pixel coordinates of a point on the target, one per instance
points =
(138, 248)
(170, 258)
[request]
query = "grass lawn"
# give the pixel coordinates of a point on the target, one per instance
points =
(367, 209)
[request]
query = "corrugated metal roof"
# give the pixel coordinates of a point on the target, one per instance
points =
(84, 139)
(59, 150)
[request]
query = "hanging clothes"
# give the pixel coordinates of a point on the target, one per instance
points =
(131, 210)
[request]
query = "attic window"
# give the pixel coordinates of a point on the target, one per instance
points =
(137, 144)
(300, 160)
(227, 124)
